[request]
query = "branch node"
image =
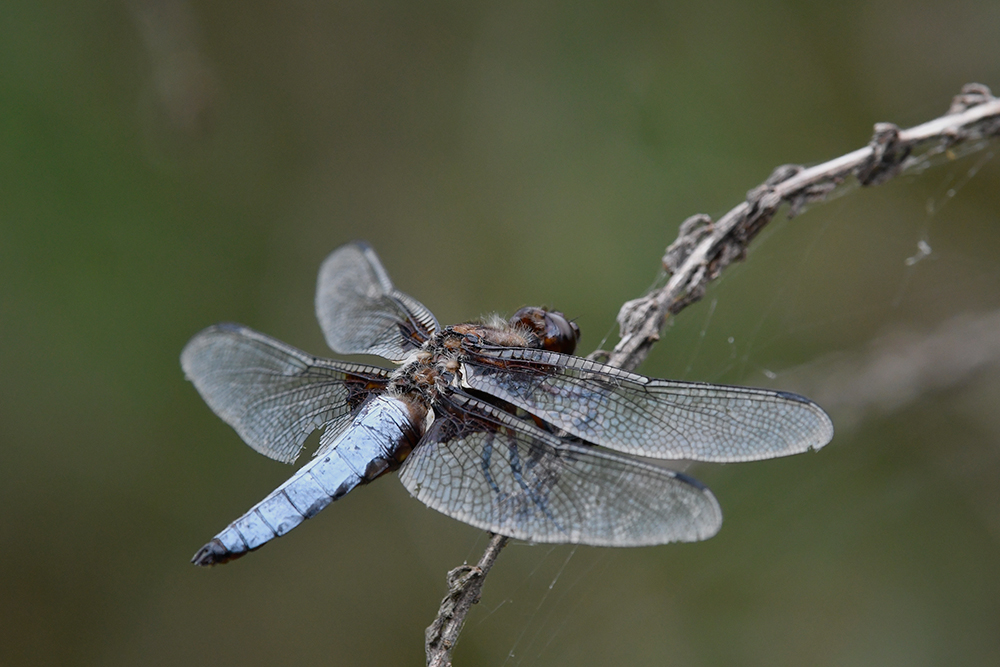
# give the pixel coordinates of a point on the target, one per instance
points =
(733, 249)
(973, 94)
(697, 288)
(635, 313)
(690, 234)
(886, 158)
(783, 172)
(763, 201)
(812, 193)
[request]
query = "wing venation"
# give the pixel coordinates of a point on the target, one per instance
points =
(494, 471)
(273, 394)
(361, 312)
(638, 415)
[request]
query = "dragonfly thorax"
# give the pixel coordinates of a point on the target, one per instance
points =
(438, 363)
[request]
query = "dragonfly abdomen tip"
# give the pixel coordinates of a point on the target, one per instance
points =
(213, 553)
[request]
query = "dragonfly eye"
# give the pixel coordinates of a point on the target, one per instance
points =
(561, 335)
(553, 330)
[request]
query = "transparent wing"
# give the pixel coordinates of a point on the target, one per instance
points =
(494, 471)
(360, 311)
(273, 394)
(638, 415)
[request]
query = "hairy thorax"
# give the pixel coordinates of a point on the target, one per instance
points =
(438, 363)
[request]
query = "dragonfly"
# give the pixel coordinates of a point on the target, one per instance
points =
(492, 422)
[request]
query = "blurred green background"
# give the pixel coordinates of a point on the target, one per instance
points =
(165, 165)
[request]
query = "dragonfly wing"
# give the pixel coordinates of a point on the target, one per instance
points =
(361, 312)
(494, 471)
(662, 419)
(273, 394)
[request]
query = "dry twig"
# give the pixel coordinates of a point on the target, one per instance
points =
(704, 248)
(465, 583)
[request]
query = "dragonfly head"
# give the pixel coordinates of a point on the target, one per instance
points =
(552, 329)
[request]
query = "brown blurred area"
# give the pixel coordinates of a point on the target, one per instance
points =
(165, 165)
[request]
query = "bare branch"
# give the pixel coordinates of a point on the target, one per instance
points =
(703, 249)
(465, 583)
